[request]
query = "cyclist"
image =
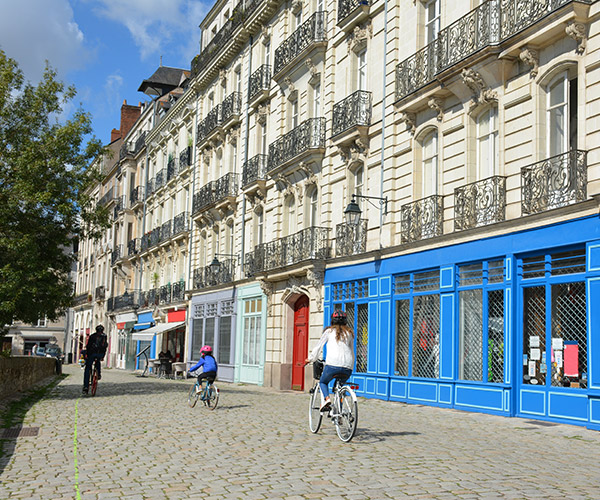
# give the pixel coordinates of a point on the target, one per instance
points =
(95, 349)
(209, 364)
(339, 358)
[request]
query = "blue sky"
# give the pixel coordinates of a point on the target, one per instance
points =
(104, 47)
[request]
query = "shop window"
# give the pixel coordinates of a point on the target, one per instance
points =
(251, 331)
(402, 337)
(224, 353)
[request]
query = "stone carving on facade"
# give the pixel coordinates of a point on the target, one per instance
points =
(530, 57)
(437, 104)
(315, 76)
(577, 32)
(315, 278)
(265, 32)
(283, 184)
(357, 38)
(296, 6)
(292, 91)
(256, 199)
(206, 154)
(410, 119)
(262, 113)
(481, 93)
(233, 134)
(267, 289)
(222, 76)
(355, 152)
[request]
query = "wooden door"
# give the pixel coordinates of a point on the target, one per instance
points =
(300, 342)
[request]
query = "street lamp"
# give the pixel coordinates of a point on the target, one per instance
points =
(215, 264)
(353, 211)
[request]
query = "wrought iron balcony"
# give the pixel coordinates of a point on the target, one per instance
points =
(125, 301)
(351, 239)
(145, 242)
(139, 143)
(149, 298)
(346, 7)
(82, 298)
(205, 276)
(210, 123)
(171, 169)
(255, 169)
(133, 247)
(166, 230)
(260, 81)
(124, 151)
(178, 291)
(160, 179)
(150, 187)
(164, 294)
(309, 135)
(154, 237)
(354, 111)
(120, 205)
(185, 158)
(309, 244)
(422, 219)
(100, 292)
(556, 182)
(490, 23)
(480, 203)
(107, 198)
(308, 33)
(116, 254)
(215, 191)
(180, 223)
(231, 107)
(136, 196)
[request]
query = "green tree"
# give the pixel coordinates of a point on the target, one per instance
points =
(44, 174)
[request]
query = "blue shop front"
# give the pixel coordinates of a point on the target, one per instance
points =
(503, 325)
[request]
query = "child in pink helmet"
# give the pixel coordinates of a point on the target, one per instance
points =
(208, 364)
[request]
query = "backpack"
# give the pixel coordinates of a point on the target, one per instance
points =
(97, 344)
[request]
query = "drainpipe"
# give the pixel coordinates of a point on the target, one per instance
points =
(385, 32)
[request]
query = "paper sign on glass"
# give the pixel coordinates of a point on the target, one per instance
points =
(534, 341)
(535, 354)
(571, 359)
(532, 368)
(558, 355)
(557, 344)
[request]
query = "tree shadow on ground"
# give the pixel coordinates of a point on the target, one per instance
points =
(370, 435)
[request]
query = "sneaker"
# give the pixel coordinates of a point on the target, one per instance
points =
(326, 406)
(84, 391)
(99, 377)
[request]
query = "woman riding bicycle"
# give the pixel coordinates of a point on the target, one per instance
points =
(339, 356)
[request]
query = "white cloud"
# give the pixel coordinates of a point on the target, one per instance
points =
(159, 27)
(33, 31)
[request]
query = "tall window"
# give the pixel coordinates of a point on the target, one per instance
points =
(357, 184)
(487, 143)
(258, 227)
(267, 53)
(432, 20)
(289, 226)
(317, 101)
(561, 115)
(429, 165)
(264, 147)
(294, 114)
(312, 214)
(238, 80)
(297, 20)
(361, 59)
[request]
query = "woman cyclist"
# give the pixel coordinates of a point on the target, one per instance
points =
(209, 364)
(339, 357)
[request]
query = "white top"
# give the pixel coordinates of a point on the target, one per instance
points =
(338, 353)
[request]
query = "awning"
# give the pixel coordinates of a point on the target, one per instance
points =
(32, 336)
(142, 326)
(126, 317)
(156, 330)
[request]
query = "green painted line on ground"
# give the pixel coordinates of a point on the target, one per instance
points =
(78, 495)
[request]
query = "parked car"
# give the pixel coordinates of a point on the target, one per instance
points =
(41, 351)
(54, 351)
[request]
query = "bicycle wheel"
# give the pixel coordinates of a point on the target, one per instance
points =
(94, 381)
(314, 414)
(347, 418)
(212, 397)
(193, 395)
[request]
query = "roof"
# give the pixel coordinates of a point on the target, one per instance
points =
(163, 80)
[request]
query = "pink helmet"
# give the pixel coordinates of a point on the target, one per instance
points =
(207, 349)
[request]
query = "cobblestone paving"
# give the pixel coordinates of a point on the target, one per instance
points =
(138, 439)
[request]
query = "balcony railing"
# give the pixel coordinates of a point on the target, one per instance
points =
(164, 294)
(171, 169)
(120, 205)
(82, 298)
(255, 169)
(309, 244)
(215, 191)
(145, 242)
(210, 123)
(149, 298)
(422, 219)
(492, 22)
(154, 237)
(107, 198)
(205, 276)
(100, 292)
(185, 158)
(308, 33)
(126, 301)
(160, 179)
(346, 7)
(116, 254)
(480, 203)
(149, 187)
(180, 223)
(260, 81)
(556, 182)
(178, 291)
(354, 111)
(166, 230)
(133, 247)
(351, 239)
(139, 143)
(310, 134)
(231, 106)
(136, 195)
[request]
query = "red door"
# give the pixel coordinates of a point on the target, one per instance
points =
(300, 342)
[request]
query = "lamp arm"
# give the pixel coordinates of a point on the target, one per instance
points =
(383, 202)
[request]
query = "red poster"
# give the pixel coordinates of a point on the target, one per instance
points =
(571, 359)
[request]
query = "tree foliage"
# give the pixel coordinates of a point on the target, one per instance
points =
(44, 175)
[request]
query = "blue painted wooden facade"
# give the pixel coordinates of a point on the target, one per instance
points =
(513, 393)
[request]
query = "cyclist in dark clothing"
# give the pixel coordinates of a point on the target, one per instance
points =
(95, 349)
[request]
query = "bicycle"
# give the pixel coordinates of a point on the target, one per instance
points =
(95, 377)
(209, 394)
(344, 407)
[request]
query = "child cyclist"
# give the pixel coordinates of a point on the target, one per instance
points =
(208, 364)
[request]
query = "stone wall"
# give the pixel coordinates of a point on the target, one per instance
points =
(19, 373)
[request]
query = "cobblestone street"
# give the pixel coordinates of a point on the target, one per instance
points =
(138, 439)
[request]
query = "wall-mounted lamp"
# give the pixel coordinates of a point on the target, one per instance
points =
(215, 264)
(353, 211)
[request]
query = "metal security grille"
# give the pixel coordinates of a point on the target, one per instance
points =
(350, 290)
(426, 336)
(402, 337)
(569, 340)
(362, 337)
(471, 274)
(496, 271)
(349, 313)
(224, 353)
(534, 335)
(402, 284)
(495, 347)
(568, 262)
(471, 335)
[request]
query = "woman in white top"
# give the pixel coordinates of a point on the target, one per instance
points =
(339, 360)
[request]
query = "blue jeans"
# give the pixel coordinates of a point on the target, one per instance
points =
(89, 363)
(331, 372)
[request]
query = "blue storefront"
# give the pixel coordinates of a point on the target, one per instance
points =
(503, 325)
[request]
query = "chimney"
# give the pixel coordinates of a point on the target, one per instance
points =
(129, 115)
(115, 134)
